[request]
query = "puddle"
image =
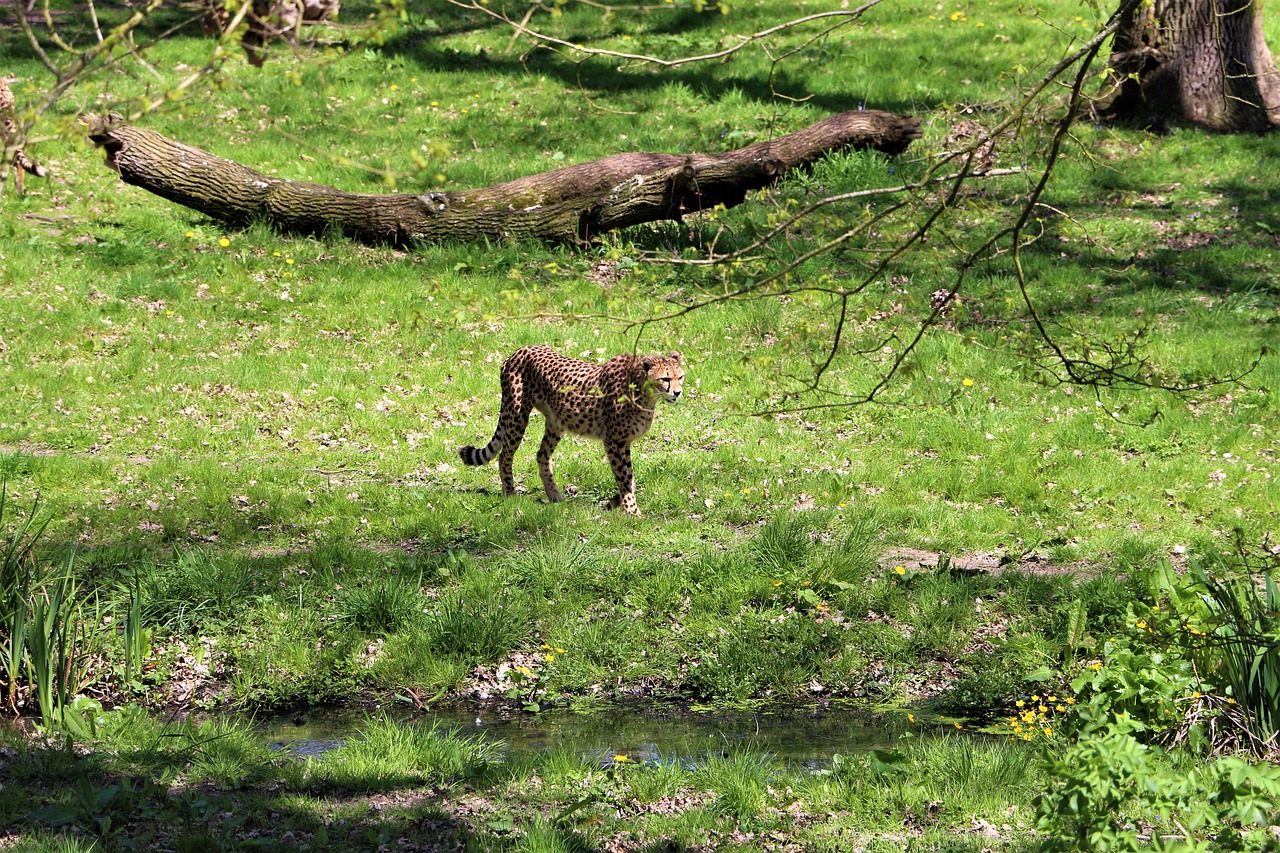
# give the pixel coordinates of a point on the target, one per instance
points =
(804, 737)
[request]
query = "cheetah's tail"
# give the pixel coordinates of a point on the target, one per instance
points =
(480, 455)
(28, 165)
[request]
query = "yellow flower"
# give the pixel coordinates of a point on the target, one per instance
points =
(1071, 700)
(1141, 624)
(911, 718)
(288, 261)
(620, 759)
(224, 242)
(958, 726)
(559, 650)
(191, 233)
(1048, 732)
(968, 383)
(549, 658)
(1060, 708)
(902, 570)
(1019, 703)
(776, 583)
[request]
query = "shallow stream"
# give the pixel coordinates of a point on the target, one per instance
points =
(799, 736)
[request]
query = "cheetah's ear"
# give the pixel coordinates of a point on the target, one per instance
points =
(675, 356)
(647, 363)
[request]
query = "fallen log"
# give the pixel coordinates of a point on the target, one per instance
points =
(574, 204)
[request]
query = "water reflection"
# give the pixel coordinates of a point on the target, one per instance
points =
(800, 736)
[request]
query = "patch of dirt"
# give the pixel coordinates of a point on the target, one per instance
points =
(986, 562)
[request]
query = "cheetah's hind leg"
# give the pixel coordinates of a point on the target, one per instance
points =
(513, 420)
(549, 442)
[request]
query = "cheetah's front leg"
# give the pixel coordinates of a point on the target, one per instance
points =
(549, 442)
(619, 454)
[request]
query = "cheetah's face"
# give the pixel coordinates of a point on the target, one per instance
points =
(666, 376)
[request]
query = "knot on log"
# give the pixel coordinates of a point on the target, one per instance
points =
(434, 202)
(102, 133)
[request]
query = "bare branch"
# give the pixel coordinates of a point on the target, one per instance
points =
(521, 29)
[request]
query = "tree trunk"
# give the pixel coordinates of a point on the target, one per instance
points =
(1202, 61)
(571, 204)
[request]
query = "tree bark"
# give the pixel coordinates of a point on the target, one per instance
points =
(571, 204)
(1200, 61)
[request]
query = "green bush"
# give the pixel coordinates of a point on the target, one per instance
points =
(1108, 791)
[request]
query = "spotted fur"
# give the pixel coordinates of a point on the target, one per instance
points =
(9, 134)
(614, 402)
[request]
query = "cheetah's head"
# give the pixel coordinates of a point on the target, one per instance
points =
(665, 375)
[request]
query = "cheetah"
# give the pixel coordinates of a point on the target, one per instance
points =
(9, 136)
(614, 402)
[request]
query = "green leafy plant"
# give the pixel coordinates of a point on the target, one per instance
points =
(46, 624)
(1241, 629)
(136, 636)
(1144, 681)
(1108, 787)
(19, 577)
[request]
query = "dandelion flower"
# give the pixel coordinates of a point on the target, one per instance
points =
(224, 242)
(620, 759)
(911, 718)
(968, 383)
(902, 570)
